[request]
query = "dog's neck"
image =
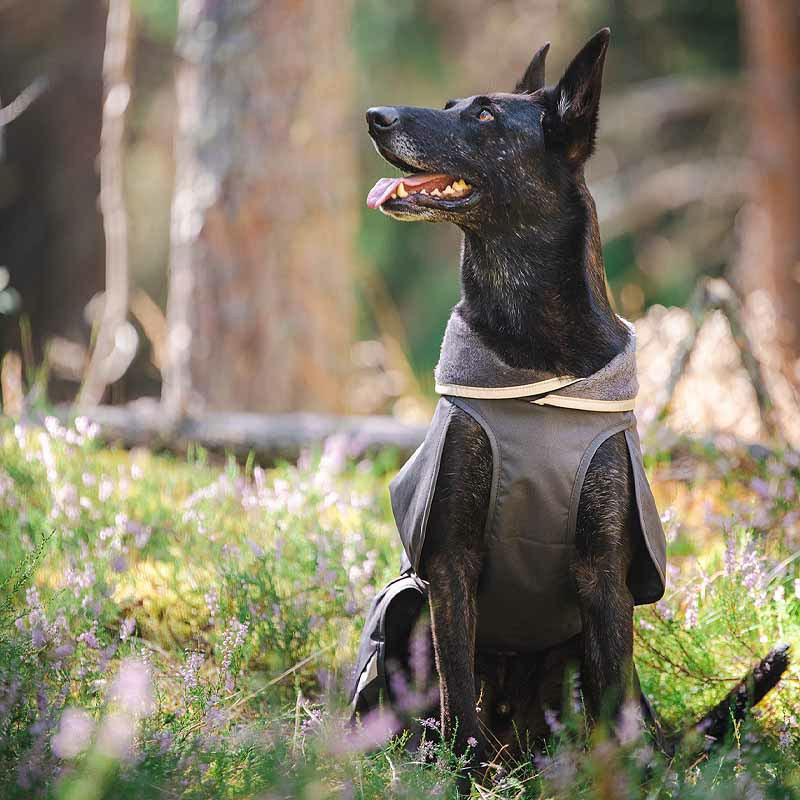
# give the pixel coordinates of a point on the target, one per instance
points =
(536, 293)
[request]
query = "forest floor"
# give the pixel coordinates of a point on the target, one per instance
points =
(172, 628)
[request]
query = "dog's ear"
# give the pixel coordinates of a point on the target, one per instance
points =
(572, 120)
(533, 79)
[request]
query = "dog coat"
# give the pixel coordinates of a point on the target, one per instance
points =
(543, 431)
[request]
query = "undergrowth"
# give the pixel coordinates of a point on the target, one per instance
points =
(173, 628)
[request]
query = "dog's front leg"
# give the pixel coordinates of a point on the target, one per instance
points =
(453, 617)
(451, 561)
(605, 540)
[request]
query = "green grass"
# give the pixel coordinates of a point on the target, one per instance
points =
(173, 628)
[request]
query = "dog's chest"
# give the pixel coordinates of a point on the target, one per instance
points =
(540, 455)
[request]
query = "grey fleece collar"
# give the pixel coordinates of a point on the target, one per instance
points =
(467, 368)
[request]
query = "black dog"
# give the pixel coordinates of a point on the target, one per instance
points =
(509, 172)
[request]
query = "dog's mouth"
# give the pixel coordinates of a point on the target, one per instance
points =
(421, 193)
(423, 189)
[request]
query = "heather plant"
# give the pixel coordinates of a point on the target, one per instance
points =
(175, 627)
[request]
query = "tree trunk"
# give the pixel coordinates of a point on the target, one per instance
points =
(260, 310)
(769, 270)
(51, 237)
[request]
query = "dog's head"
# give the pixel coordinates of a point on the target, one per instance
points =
(492, 158)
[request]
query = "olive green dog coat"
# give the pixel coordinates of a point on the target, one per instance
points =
(543, 431)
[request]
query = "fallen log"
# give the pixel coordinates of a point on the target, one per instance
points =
(270, 437)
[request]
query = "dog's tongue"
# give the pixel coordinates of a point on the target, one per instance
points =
(381, 191)
(385, 187)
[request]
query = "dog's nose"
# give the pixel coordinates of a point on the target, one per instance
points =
(382, 117)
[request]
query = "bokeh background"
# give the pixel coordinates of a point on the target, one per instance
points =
(236, 152)
(183, 238)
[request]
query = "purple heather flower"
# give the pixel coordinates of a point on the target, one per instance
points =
(215, 717)
(629, 725)
(89, 638)
(419, 656)
(664, 609)
(334, 454)
(212, 603)
(74, 733)
(559, 769)
(752, 575)
(88, 430)
(427, 750)
(232, 639)
(499, 777)
(405, 697)
(132, 689)
(255, 548)
(553, 722)
(127, 628)
(80, 580)
(692, 609)
(105, 490)
(761, 488)
(376, 729)
(116, 734)
(731, 560)
(164, 739)
(784, 737)
(190, 670)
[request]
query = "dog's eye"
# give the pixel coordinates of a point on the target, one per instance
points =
(485, 115)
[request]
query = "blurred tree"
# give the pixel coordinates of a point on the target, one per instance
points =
(51, 238)
(260, 301)
(769, 268)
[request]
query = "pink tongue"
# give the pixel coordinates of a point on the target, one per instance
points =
(381, 191)
(385, 187)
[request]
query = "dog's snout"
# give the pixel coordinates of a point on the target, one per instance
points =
(382, 118)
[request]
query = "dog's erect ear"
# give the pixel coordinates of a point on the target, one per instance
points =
(533, 79)
(572, 122)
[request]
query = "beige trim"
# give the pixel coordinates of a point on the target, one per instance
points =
(585, 403)
(505, 392)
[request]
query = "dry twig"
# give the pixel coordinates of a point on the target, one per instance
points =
(716, 294)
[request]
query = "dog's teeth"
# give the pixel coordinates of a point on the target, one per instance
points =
(423, 191)
(393, 196)
(401, 191)
(436, 193)
(460, 185)
(448, 191)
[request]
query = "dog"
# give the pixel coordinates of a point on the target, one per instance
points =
(508, 170)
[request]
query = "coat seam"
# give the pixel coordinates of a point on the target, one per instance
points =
(432, 489)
